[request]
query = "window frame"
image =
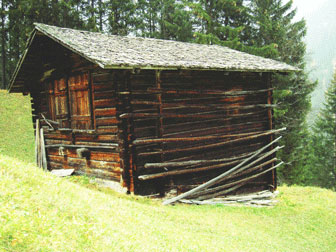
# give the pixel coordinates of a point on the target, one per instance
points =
(52, 98)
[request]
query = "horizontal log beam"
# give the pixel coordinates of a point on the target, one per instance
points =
(208, 92)
(192, 162)
(192, 139)
(195, 92)
(204, 147)
(205, 115)
(111, 147)
(206, 168)
(186, 171)
(220, 177)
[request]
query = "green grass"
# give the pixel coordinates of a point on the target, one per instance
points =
(40, 212)
(16, 127)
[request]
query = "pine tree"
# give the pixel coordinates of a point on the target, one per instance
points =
(220, 22)
(121, 16)
(3, 16)
(147, 13)
(272, 28)
(323, 163)
(174, 21)
(21, 15)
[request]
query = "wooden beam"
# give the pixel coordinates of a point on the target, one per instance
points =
(203, 147)
(197, 92)
(192, 162)
(205, 115)
(206, 168)
(186, 171)
(192, 139)
(110, 146)
(43, 151)
(218, 178)
(238, 182)
(214, 189)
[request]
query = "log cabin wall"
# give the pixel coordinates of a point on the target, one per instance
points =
(177, 105)
(80, 97)
(98, 132)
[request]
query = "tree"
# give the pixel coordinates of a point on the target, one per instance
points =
(323, 163)
(19, 20)
(121, 16)
(220, 22)
(174, 21)
(272, 28)
(3, 27)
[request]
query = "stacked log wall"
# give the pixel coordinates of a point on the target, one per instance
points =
(101, 140)
(184, 104)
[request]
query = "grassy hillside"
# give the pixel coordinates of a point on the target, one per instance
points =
(16, 129)
(39, 212)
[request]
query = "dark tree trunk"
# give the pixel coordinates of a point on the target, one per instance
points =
(3, 46)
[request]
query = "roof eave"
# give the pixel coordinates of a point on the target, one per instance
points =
(67, 46)
(23, 57)
(197, 68)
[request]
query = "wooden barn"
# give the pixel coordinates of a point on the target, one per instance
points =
(156, 116)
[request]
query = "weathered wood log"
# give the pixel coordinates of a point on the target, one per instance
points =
(201, 138)
(37, 142)
(195, 92)
(217, 154)
(171, 128)
(214, 189)
(205, 115)
(192, 162)
(110, 146)
(203, 147)
(45, 119)
(142, 102)
(267, 154)
(214, 129)
(266, 194)
(216, 179)
(98, 155)
(240, 182)
(265, 198)
(186, 171)
(206, 168)
(184, 105)
(43, 151)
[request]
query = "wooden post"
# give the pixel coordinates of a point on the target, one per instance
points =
(218, 178)
(43, 151)
(37, 142)
(160, 124)
(270, 118)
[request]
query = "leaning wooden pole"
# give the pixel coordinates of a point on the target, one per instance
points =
(37, 141)
(218, 178)
(43, 151)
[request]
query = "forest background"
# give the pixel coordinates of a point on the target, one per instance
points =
(267, 28)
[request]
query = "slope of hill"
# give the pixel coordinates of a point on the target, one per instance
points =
(16, 129)
(39, 212)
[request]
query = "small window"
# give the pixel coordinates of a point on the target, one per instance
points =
(69, 102)
(58, 102)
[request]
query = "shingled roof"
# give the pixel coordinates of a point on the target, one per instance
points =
(111, 51)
